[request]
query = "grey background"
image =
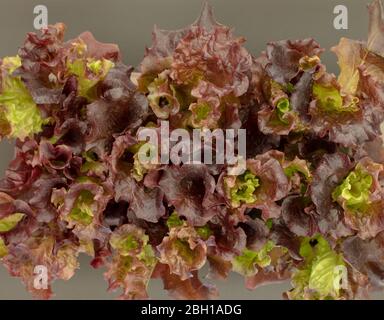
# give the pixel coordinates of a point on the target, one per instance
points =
(129, 24)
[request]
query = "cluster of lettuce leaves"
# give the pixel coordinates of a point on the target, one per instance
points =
(309, 207)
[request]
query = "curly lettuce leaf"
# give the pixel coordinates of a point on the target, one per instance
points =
(266, 183)
(284, 58)
(88, 74)
(355, 189)
(190, 189)
(3, 248)
(299, 173)
(20, 116)
(204, 232)
(82, 211)
(355, 56)
(183, 251)
(362, 197)
(319, 277)
(246, 263)
(174, 221)
(190, 289)
(44, 248)
(244, 189)
(133, 262)
(330, 100)
(10, 222)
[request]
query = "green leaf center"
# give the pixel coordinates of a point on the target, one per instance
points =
(243, 191)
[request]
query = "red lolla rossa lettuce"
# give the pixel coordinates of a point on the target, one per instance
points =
(309, 206)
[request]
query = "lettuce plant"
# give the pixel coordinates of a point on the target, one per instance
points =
(309, 206)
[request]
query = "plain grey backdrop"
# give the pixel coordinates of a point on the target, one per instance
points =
(129, 24)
